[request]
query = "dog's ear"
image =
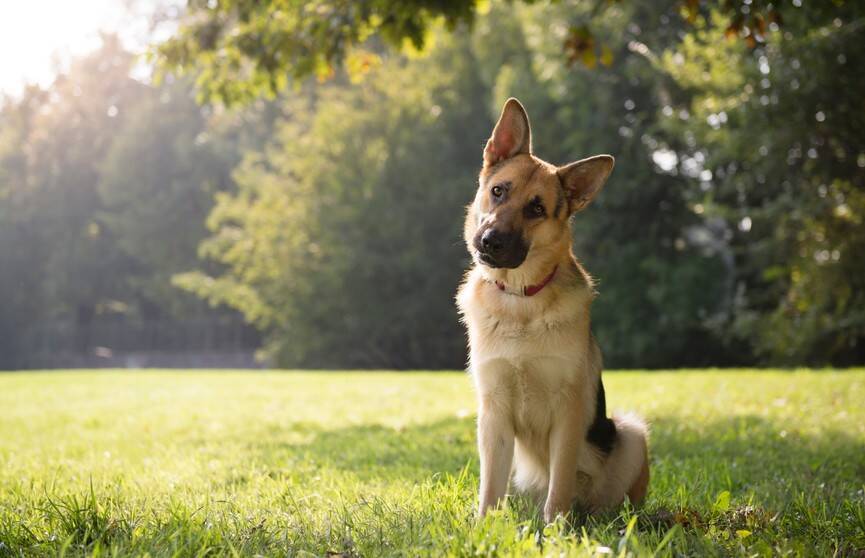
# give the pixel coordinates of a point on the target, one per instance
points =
(511, 136)
(583, 179)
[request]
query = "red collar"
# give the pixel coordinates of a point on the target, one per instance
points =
(532, 290)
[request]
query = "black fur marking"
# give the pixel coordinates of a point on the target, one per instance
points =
(602, 433)
(560, 196)
(560, 202)
(529, 209)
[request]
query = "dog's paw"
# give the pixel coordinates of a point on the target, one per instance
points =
(554, 510)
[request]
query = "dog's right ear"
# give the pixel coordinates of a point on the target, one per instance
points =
(584, 179)
(511, 136)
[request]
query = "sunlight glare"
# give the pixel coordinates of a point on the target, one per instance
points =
(38, 37)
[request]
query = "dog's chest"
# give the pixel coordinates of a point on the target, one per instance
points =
(530, 343)
(537, 391)
(532, 375)
(527, 355)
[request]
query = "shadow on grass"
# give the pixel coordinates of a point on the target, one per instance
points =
(375, 451)
(748, 476)
(748, 453)
(742, 476)
(690, 460)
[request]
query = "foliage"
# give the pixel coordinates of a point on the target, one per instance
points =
(779, 135)
(250, 48)
(241, 49)
(237, 463)
(328, 243)
(343, 242)
(58, 257)
(104, 185)
(156, 185)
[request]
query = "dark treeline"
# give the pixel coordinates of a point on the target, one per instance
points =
(731, 231)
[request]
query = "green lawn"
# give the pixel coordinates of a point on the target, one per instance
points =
(369, 464)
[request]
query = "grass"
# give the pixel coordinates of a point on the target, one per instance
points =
(369, 464)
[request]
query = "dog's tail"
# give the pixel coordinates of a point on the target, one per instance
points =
(627, 465)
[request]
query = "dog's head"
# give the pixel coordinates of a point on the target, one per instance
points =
(523, 204)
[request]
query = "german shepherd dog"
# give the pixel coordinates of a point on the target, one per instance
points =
(532, 356)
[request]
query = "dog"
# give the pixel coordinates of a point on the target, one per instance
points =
(535, 364)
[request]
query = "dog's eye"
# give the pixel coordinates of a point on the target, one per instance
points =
(497, 191)
(535, 209)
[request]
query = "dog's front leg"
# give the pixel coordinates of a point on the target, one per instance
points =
(565, 445)
(496, 448)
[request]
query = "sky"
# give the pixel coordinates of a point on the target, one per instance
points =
(39, 36)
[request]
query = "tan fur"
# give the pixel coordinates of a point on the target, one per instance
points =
(637, 492)
(534, 362)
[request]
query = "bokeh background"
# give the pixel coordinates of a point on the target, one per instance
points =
(278, 183)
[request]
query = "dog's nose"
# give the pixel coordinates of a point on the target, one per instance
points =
(492, 241)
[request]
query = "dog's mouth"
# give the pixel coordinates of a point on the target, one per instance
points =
(511, 261)
(486, 259)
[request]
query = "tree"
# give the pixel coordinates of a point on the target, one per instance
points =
(242, 49)
(105, 182)
(60, 261)
(18, 266)
(343, 242)
(330, 244)
(157, 184)
(780, 130)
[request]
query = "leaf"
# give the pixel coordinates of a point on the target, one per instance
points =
(722, 501)
(743, 533)
(759, 23)
(692, 10)
(589, 59)
(359, 63)
(606, 56)
(667, 538)
(579, 46)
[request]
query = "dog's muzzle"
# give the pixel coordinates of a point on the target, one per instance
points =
(500, 249)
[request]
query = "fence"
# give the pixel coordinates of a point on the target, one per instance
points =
(195, 343)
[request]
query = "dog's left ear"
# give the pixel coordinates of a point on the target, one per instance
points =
(511, 136)
(584, 179)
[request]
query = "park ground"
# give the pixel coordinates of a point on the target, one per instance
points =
(171, 463)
